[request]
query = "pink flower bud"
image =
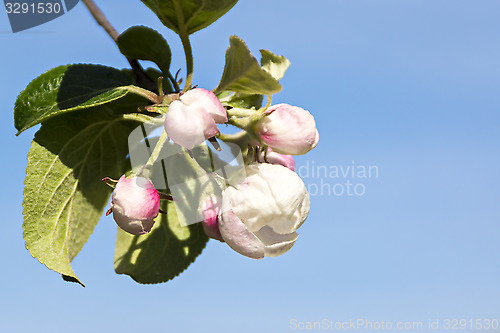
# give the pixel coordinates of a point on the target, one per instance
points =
(288, 129)
(135, 203)
(193, 118)
(210, 210)
(277, 158)
(259, 217)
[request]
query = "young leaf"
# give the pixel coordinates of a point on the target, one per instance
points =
(64, 196)
(243, 74)
(244, 101)
(144, 43)
(189, 16)
(276, 65)
(70, 88)
(162, 254)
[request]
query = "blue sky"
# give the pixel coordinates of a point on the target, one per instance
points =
(410, 87)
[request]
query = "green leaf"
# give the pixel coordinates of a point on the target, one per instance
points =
(276, 65)
(243, 74)
(189, 16)
(243, 101)
(163, 253)
(64, 196)
(70, 88)
(144, 43)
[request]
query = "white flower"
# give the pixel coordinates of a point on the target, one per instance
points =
(135, 203)
(193, 118)
(288, 129)
(260, 215)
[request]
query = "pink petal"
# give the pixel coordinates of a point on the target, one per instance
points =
(236, 234)
(288, 130)
(188, 126)
(210, 212)
(135, 203)
(206, 99)
(273, 157)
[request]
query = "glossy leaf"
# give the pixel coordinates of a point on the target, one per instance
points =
(64, 196)
(70, 88)
(144, 43)
(243, 74)
(189, 16)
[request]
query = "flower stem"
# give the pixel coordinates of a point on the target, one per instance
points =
(189, 60)
(156, 152)
(145, 93)
(142, 118)
(193, 162)
(240, 113)
(265, 107)
(161, 93)
(186, 44)
(241, 138)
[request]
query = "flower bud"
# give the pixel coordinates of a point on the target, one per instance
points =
(135, 203)
(288, 129)
(260, 215)
(193, 118)
(210, 211)
(277, 158)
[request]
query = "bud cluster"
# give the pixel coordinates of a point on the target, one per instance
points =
(259, 215)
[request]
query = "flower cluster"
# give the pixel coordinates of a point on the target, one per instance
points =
(259, 215)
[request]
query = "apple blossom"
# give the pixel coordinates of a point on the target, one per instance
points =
(288, 129)
(277, 158)
(135, 203)
(193, 118)
(210, 211)
(260, 215)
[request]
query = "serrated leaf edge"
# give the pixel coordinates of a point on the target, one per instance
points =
(126, 90)
(265, 72)
(56, 157)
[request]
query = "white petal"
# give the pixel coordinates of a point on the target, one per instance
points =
(316, 140)
(206, 99)
(302, 212)
(253, 203)
(188, 126)
(276, 244)
(236, 234)
(134, 227)
(283, 192)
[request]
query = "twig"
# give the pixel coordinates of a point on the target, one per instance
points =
(101, 19)
(140, 76)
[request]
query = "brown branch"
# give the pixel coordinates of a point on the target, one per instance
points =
(101, 19)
